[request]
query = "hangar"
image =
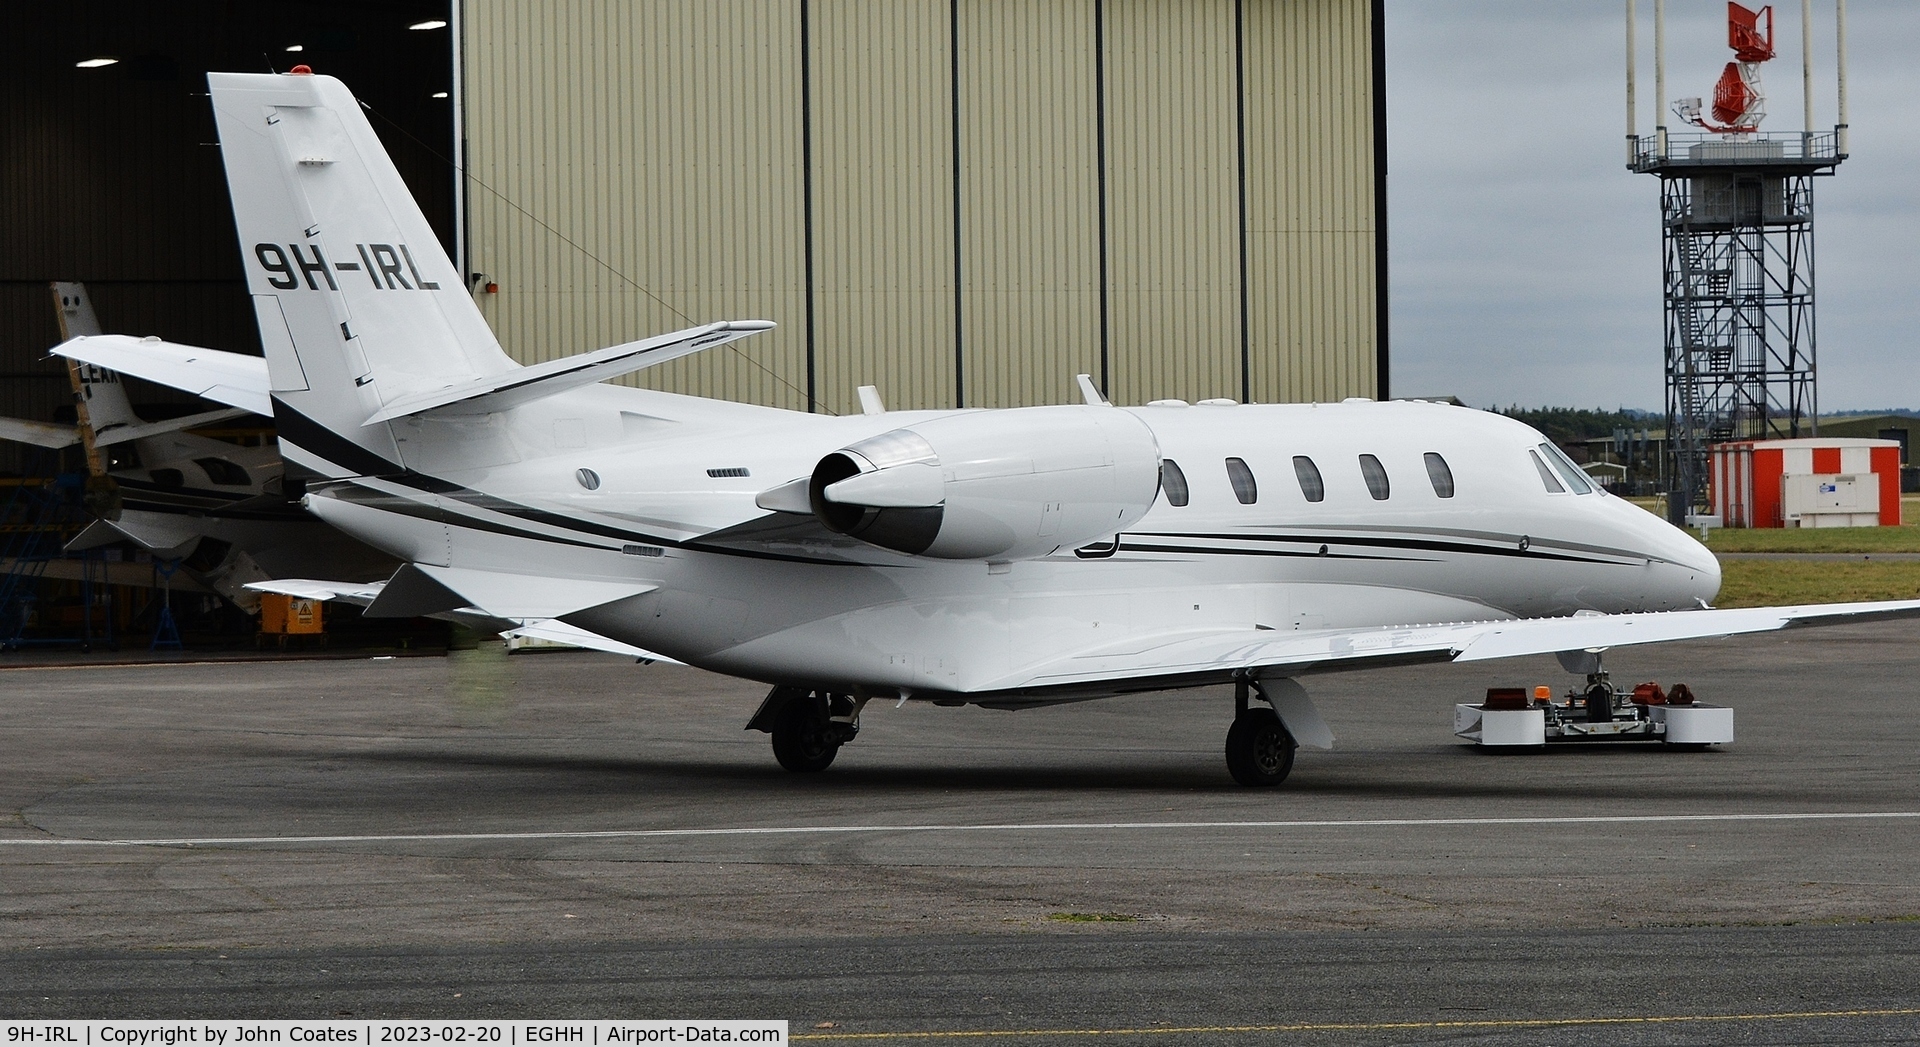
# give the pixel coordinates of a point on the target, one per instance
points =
(962, 202)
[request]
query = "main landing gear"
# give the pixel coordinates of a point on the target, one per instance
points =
(1259, 746)
(808, 727)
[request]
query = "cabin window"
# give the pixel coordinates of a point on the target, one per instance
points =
(1241, 478)
(1173, 482)
(1376, 475)
(1309, 476)
(1439, 474)
(223, 472)
(1546, 474)
(1576, 476)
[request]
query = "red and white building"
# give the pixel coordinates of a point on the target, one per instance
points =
(1817, 482)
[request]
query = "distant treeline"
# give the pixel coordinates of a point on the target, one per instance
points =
(1566, 425)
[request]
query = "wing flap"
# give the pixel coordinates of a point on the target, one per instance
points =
(228, 378)
(499, 392)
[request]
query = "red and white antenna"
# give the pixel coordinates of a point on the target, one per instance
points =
(1738, 102)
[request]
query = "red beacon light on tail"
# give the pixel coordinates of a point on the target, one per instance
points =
(1738, 102)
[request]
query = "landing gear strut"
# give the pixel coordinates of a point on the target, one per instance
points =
(1259, 747)
(808, 727)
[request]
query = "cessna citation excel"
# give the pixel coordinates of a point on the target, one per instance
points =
(1006, 558)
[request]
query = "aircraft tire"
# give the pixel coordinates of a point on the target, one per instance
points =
(1259, 748)
(804, 739)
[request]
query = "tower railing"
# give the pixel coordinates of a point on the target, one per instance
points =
(1671, 149)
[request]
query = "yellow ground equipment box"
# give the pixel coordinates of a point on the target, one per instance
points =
(282, 615)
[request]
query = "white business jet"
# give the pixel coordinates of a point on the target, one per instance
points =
(1005, 558)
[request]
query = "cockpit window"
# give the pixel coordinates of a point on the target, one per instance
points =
(1309, 476)
(1241, 478)
(1376, 477)
(1439, 475)
(1576, 476)
(1546, 474)
(1173, 482)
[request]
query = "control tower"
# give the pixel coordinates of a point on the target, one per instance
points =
(1736, 219)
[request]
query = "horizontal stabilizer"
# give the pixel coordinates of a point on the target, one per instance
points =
(168, 535)
(498, 392)
(229, 378)
(120, 434)
(40, 434)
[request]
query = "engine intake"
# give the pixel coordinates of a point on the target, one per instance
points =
(992, 485)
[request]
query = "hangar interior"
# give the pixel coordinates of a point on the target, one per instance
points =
(113, 177)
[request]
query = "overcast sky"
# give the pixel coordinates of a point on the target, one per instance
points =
(1526, 258)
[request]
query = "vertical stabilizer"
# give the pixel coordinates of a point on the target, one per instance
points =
(358, 304)
(99, 397)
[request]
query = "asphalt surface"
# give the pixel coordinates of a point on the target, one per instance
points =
(574, 835)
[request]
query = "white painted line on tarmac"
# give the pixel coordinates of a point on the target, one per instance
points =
(1013, 827)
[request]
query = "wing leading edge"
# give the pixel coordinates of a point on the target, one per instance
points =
(1214, 656)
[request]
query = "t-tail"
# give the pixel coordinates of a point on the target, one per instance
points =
(358, 305)
(101, 396)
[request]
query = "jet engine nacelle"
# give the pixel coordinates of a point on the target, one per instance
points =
(992, 485)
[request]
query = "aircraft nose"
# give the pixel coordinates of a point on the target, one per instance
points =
(1691, 568)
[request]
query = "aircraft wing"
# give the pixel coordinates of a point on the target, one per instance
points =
(359, 594)
(42, 434)
(170, 534)
(498, 392)
(229, 378)
(1217, 656)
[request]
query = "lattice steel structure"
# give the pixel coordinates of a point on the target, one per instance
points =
(1737, 223)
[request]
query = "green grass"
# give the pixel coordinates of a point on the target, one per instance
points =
(1765, 583)
(1902, 539)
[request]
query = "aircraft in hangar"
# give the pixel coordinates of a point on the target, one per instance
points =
(215, 507)
(1006, 558)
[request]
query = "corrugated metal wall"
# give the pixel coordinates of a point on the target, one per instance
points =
(1029, 199)
(1312, 316)
(959, 201)
(636, 169)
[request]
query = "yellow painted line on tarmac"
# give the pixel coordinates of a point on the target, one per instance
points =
(1430, 1026)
